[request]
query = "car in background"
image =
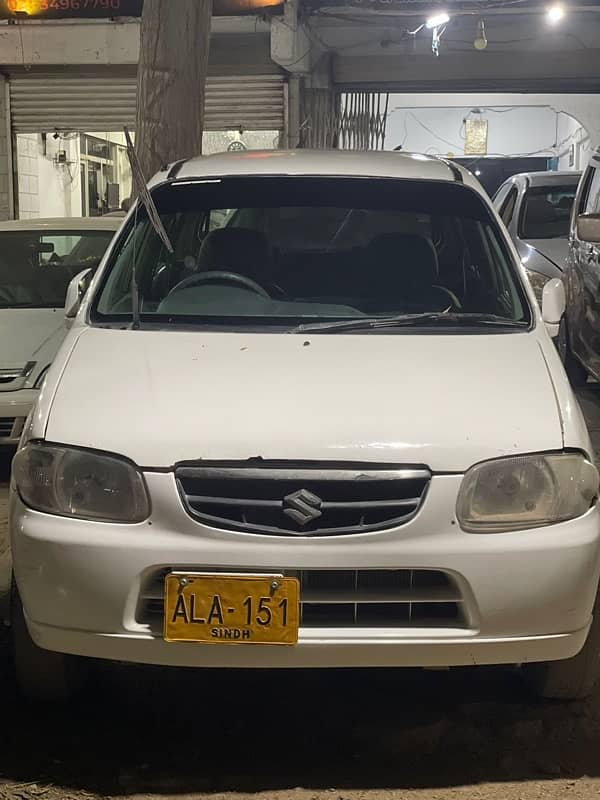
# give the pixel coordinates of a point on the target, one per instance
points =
(536, 209)
(579, 331)
(38, 259)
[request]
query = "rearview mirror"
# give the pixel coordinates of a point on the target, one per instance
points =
(588, 228)
(554, 303)
(76, 292)
(45, 247)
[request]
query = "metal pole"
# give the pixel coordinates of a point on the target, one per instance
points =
(10, 150)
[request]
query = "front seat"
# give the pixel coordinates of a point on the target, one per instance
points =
(241, 250)
(403, 272)
(540, 217)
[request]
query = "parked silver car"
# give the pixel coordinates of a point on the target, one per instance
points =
(536, 209)
(579, 332)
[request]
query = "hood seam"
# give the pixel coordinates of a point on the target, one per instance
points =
(545, 256)
(59, 380)
(555, 393)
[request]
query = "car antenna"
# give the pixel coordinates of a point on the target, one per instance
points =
(145, 198)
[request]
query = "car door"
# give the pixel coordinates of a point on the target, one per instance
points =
(583, 311)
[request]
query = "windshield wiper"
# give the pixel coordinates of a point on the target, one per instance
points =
(409, 320)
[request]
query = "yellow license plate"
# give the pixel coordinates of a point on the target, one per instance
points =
(231, 609)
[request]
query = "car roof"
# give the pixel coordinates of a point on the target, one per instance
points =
(548, 178)
(319, 163)
(63, 224)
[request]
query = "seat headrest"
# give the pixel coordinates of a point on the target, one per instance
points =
(565, 202)
(540, 211)
(241, 250)
(413, 256)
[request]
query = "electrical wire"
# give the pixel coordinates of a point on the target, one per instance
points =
(20, 27)
(556, 146)
(433, 133)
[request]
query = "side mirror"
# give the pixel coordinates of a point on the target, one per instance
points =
(588, 228)
(554, 303)
(76, 292)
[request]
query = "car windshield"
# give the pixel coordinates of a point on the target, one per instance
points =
(287, 251)
(547, 211)
(37, 266)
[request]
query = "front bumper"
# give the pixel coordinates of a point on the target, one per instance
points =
(528, 595)
(14, 410)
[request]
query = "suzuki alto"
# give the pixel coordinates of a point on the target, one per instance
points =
(315, 419)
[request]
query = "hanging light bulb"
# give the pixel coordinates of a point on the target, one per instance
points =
(480, 42)
(437, 20)
(556, 13)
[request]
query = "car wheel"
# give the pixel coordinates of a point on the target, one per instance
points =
(576, 372)
(573, 678)
(42, 676)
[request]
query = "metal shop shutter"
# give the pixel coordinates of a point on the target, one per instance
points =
(91, 103)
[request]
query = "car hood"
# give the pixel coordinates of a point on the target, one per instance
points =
(30, 334)
(548, 256)
(446, 401)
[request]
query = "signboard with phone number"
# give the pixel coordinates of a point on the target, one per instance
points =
(59, 9)
(88, 9)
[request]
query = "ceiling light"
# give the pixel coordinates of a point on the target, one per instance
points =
(437, 20)
(556, 13)
(480, 42)
(478, 172)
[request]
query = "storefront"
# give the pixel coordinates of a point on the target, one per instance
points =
(67, 132)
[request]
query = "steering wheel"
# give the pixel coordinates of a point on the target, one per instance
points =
(217, 275)
(451, 296)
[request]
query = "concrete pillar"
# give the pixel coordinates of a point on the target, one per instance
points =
(292, 132)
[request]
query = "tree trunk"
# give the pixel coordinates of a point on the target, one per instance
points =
(175, 40)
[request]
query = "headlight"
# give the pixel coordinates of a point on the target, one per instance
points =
(525, 492)
(80, 483)
(537, 281)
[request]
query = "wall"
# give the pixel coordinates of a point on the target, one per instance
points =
(29, 173)
(511, 130)
(241, 41)
(574, 144)
(4, 154)
(584, 108)
(47, 188)
(60, 191)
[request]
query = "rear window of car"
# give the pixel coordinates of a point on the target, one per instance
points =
(267, 251)
(36, 266)
(546, 212)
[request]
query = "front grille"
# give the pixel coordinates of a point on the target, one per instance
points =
(11, 374)
(6, 426)
(304, 500)
(364, 598)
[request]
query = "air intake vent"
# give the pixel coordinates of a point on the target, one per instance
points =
(6, 427)
(348, 598)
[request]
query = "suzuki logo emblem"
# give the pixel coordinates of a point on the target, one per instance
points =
(302, 506)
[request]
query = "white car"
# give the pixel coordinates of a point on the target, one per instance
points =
(536, 208)
(38, 259)
(333, 432)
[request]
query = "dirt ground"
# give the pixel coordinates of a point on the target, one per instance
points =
(310, 735)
